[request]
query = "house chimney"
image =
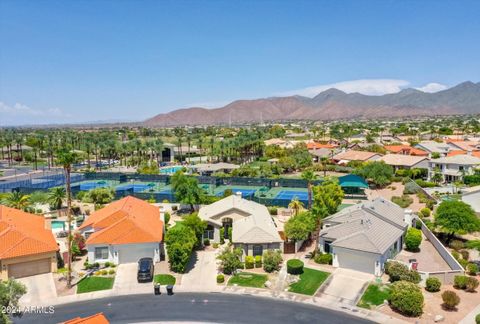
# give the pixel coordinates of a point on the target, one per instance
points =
(408, 216)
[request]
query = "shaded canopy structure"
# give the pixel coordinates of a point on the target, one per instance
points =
(353, 184)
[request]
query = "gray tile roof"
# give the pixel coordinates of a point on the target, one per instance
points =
(371, 226)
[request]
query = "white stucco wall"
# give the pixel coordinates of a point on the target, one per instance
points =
(473, 199)
(115, 251)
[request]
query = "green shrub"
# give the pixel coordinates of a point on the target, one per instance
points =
(273, 210)
(456, 245)
(450, 299)
(425, 212)
(258, 261)
(433, 284)
(477, 319)
(294, 266)
(463, 263)
(472, 269)
(220, 278)
(215, 245)
(113, 265)
(167, 217)
(249, 262)
(406, 298)
(111, 272)
(272, 260)
(399, 272)
(96, 265)
(222, 235)
(323, 258)
(460, 282)
(471, 284)
(404, 201)
(206, 242)
(107, 264)
(456, 255)
(104, 272)
(465, 254)
(413, 239)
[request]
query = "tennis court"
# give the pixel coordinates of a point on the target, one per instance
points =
(245, 192)
(136, 187)
(289, 195)
(89, 185)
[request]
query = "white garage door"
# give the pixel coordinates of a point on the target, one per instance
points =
(129, 254)
(31, 268)
(356, 261)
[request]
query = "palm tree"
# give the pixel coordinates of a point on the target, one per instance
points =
(67, 159)
(17, 200)
(296, 205)
(309, 176)
(55, 197)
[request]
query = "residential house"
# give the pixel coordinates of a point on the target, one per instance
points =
(453, 168)
(27, 245)
(352, 155)
(253, 229)
(401, 161)
(124, 232)
(363, 237)
(464, 145)
(434, 147)
(405, 150)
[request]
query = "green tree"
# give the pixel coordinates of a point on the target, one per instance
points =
(180, 241)
(17, 200)
(99, 196)
(197, 225)
(309, 176)
(377, 172)
(10, 293)
(230, 260)
(327, 198)
(456, 216)
(296, 205)
(186, 189)
(413, 239)
(55, 197)
(299, 227)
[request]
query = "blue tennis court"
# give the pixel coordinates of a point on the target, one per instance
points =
(134, 187)
(93, 185)
(289, 195)
(245, 192)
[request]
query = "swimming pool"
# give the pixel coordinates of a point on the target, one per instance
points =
(170, 170)
(59, 225)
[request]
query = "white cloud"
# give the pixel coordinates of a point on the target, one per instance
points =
(19, 114)
(432, 87)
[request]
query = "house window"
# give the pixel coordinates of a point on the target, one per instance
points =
(257, 250)
(209, 232)
(326, 247)
(101, 253)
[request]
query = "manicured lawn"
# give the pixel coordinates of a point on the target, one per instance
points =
(164, 279)
(374, 296)
(247, 279)
(94, 283)
(310, 281)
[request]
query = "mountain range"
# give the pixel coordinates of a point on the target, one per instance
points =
(331, 104)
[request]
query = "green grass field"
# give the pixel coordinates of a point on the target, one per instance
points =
(164, 279)
(247, 279)
(94, 283)
(310, 281)
(374, 296)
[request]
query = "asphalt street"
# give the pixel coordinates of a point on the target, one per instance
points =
(194, 307)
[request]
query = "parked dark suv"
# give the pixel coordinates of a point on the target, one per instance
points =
(145, 269)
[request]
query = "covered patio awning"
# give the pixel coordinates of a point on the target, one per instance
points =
(352, 181)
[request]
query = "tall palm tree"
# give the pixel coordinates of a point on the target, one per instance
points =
(309, 176)
(55, 197)
(66, 159)
(17, 200)
(296, 205)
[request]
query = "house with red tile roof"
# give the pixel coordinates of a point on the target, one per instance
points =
(405, 150)
(124, 232)
(353, 155)
(27, 245)
(98, 318)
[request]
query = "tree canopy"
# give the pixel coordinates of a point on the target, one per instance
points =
(186, 189)
(327, 197)
(456, 216)
(300, 226)
(377, 172)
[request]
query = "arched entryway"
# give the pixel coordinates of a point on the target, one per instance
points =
(226, 223)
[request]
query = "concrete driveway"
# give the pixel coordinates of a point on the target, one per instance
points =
(345, 286)
(201, 272)
(39, 288)
(126, 281)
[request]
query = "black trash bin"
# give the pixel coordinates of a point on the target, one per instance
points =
(156, 289)
(169, 290)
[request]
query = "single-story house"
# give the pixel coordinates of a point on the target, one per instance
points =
(352, 155)
(124, 232)
(405, 150)
(253, 229)
(362, 237)
(401, 161)
(27, 245)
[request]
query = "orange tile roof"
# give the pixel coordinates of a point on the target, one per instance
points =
(94, 319)
(314, 146)
(23, 234)
(461, 152)
(405, 149)
(126, 221)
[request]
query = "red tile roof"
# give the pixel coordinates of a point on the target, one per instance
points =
(23, 234)
(315, 146)
(461, 152)
(94, 319)
(126, 221)
(405, 149)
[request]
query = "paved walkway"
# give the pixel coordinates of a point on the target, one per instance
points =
(470, 318)
(345, 286)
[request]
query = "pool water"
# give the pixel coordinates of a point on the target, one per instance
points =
(170, 170)
(59, 225)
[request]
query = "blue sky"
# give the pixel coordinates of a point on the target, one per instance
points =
(107, 60)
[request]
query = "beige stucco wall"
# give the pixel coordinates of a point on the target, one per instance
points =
(248, 248)
(4, 263)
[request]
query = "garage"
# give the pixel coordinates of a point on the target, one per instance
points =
(133, 253)
(356, 260)
(30, 268)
